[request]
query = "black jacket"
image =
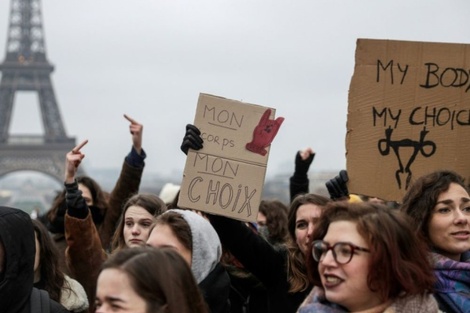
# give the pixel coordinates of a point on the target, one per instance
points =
(262, 260)
(215, 289)
(16, 279)
(298, 186)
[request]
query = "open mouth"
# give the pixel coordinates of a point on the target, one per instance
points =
(331, 281)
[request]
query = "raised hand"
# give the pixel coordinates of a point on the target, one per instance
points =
(303, 159)
(72, 162)
(306, 154)
(337, 187)
(264, 133)
(192, 139)
(136, 130)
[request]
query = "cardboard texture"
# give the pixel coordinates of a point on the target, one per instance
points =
(408, 114)
(224, 177)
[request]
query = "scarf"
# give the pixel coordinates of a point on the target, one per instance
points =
(317, 303)
(452, 281)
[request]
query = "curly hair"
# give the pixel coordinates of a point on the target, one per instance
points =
(421, 198)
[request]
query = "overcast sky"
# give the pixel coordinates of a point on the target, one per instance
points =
(150, 59)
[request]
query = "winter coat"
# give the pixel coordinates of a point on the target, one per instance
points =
(17, 275)
(215, 290)
(247, 293)
(86, 243)
(211, 276)
(72, 296)
(298, 185)
(262, 260)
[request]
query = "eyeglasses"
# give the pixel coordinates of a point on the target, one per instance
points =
(342, 251)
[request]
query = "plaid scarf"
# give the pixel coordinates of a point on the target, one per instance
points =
(452, 281)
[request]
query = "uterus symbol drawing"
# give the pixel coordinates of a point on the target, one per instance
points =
(406, 150)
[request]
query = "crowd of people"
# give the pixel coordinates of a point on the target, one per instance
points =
(125, 251)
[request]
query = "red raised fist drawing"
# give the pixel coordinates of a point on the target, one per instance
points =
(264, 133)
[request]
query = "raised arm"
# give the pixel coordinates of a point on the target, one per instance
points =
(136, 130)
(256, 254)
(299, 182)
(72, 162)
(84, 254)
(337, 187)
(127, 184)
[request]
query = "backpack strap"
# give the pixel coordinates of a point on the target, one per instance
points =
(40, 301)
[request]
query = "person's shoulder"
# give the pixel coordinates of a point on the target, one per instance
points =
(41, 303)
(57, 307)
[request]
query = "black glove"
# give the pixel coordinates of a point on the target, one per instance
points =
(192, 139)
(302, 166)
(337, 187)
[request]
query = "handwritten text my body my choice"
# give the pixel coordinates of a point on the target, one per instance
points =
(436, 76)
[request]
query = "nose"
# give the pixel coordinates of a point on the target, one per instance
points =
(328, 259)
(310, 229)
(135, 229)
(460, 217)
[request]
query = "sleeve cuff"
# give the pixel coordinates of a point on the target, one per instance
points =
(136, 160)
(71, 186)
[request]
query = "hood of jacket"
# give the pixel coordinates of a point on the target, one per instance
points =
(17, 238)
(207, 248)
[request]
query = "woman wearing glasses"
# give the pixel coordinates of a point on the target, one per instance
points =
(366, 258)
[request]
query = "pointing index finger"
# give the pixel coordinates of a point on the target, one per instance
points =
(79, 146)
(127, 117)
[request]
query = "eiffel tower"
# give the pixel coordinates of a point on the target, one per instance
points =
(26, 68)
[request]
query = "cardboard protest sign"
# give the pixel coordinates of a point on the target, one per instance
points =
(408, 114)
(226, 176)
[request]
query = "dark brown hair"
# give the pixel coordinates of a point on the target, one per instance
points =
(49, 266)
(161, 277)
(276, 219)
(421, 198)
(179, 226)
(297, 271)
(398, 264)
(99, 198)
(149, 202)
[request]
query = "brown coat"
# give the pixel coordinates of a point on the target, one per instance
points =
(86, 244)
